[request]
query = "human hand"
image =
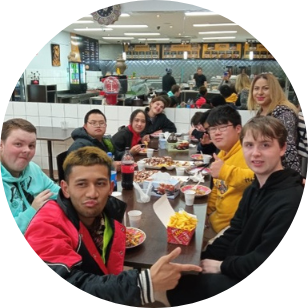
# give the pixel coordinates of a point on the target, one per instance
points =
(135, 149)
(41, 198)
(210, 266)
(145, 138)
(216, 166)
(117, 165)
(205, 139)
(165, 275)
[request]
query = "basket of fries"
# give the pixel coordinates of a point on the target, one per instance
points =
(181, 228)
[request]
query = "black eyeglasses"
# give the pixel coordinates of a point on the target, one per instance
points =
(98, 124)
(221, 128)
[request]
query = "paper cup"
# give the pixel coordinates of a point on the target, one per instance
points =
(189, 197)
(180, 171)
(141, 165)
(150, 152)
(134, 218)
(206, 158)
(162, 144)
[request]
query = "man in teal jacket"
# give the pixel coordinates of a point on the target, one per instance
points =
(26, 186)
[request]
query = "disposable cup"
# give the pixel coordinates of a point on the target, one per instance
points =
(180, 171)
(134, 218)
(162, 144)
(150, 152)
(141, 165)
(206, 158)
(189, 197)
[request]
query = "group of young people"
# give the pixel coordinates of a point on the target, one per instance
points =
(255, 195)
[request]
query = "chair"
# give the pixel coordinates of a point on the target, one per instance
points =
(60, 159)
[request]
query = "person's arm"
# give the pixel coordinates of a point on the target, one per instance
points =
(168, 126)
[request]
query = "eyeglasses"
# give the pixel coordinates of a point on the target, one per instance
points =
(98, 124)
(222, 128)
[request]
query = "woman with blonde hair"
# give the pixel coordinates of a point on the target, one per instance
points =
(267, 97)
(242, 85)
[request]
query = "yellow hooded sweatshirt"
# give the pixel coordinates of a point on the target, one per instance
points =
(228, 188)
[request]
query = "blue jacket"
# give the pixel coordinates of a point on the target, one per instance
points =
(33, 181)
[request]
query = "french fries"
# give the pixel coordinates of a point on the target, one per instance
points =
(183, 220)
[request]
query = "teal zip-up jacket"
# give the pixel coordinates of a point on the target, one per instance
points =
(33, 181)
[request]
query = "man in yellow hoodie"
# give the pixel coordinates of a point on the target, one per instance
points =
(229, 170)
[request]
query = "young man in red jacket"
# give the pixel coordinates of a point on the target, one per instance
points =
(81, 238)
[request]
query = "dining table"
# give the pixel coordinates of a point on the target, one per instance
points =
(155, 244)
(51, 134)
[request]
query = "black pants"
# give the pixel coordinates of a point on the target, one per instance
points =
(194, 288)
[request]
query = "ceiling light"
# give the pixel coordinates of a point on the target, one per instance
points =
(217, 32)
(214, 25)
(89, 29)
(127, 26)
(107, 29)
(200, 13)
(124, 15)
(219, 38)
(154, 39)
(83, 22)
(117, 38)
(142, 34)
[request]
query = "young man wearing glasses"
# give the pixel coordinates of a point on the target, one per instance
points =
(92, 134)
(229, 170)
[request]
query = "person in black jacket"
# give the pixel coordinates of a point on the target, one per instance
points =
(130, 136)
(168, 80)
(264, 215)
(157, 122)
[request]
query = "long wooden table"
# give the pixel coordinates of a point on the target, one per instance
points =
(155, 245)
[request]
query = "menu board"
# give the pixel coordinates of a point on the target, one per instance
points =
(176, 51)
(86, 50)
(150, 51)
(259, 51)
(221, 51)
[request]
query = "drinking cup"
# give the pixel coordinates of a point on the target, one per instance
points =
(134, 218)
(180, 171)
(162, 143)
(189, 197)
(150, 152)
(206, 158)
(141, 165)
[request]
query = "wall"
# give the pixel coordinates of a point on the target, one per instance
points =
(51, 115)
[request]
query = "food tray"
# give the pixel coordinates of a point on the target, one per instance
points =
(200, 189)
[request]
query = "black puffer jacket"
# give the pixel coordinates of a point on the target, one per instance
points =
(160, 122)
(82, 139)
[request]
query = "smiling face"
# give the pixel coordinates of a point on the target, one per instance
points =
(139, 122)
(88, 187)
(262, 155)
(225, 136)
(261, 93)
(96, 126)
(156, 108)
(17, 151)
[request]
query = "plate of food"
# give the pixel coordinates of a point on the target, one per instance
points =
(201, 190)
(196, 157)
(141, 176)
(134, 237)
(159, 162)
(193, 170)
(183, 163)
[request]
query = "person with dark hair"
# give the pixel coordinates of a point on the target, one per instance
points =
(217, 100)
(229, 170)
(157, 121)
(265, 213)
(81, 238)
(92, 134)
(201, 98)
(130, 136)
(25, 185)
(200, 79)
(174, 95)
(228, 92)
(168, 80)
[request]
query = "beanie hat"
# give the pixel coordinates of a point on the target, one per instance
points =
(168, 70)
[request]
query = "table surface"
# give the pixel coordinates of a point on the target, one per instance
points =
(155, 245)
(53, 133)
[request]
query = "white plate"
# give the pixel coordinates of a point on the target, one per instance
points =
(135, 232)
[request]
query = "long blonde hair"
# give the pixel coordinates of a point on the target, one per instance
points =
(242, 82)
(277, 95)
